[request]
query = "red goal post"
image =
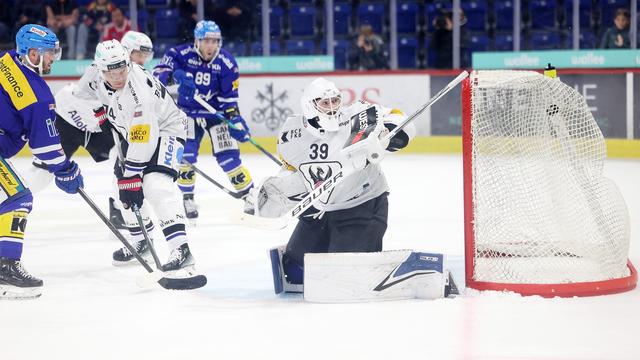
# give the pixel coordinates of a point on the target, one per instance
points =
(540, 218)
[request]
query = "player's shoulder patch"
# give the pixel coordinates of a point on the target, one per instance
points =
(291, 129)
(228, 59)
(17, 81)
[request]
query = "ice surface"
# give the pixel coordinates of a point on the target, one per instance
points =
(91, 310)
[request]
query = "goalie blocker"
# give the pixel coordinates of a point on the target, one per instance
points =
(356, 277)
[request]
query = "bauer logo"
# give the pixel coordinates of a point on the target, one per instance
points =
(320, 176)
(139, 133)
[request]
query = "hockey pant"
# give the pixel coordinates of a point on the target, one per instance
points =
(224, 148)
(15, 205)
(98, 144)
(358, 229)
(160, 194)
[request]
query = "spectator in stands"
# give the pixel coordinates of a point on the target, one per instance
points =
(235, 18)
(29, 12)
(62, 16)
(367, 52)
(442, 41)
(98, 14)
(617, 37)
(6, 24)
(189, 15)
(118, 26)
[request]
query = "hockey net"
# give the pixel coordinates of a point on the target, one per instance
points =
(540, 217)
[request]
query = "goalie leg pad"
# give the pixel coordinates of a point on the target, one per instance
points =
(281, 282)
(387, 275)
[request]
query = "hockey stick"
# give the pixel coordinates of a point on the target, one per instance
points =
(328, 185)
(234, 194)
(209, 108)
(187, 283)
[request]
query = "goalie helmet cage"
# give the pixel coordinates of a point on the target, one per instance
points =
(540, 218)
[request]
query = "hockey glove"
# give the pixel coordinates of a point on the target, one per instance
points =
(187, 86)
(131, 193)
(70, 179)
(239, 130)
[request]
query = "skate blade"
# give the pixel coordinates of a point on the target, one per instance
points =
(8, 292)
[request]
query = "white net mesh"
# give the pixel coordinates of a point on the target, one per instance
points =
(543, 211)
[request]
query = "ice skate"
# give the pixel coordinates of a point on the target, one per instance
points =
(16, 282)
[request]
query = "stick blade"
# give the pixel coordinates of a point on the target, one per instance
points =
(259, 222)
(190, 283)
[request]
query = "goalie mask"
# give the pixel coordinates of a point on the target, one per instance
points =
(321, 103)
(113, 62)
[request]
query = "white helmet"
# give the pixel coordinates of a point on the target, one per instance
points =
(321, 103)
(134, 40)
(110, 55)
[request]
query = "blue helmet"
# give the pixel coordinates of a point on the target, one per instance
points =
(207, 29)
(33, 36)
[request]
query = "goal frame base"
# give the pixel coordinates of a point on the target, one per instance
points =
(580, 289)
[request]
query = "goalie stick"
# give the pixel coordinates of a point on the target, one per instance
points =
(210, 109)
(328, 185)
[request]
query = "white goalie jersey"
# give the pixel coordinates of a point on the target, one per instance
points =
(311, 158)
(141, 112)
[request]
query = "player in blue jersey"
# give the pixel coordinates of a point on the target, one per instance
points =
(205, 69)
(27, 114)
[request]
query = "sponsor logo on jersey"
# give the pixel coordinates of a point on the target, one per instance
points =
(289, 135)
(9, 181)
(139, 133)
(168, 153)
(185, 51)
(77, 119)
(226, 61)
(51, 127)
(235, 84)
(194, 61)
(15, 83)
(133, 93)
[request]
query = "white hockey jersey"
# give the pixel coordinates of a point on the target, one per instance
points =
(315, 158)
(84, 113)
(141, 112)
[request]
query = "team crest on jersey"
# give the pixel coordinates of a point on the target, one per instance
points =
(316, 173)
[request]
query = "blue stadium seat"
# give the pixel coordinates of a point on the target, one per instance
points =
(430, 59)
(586, 9)
(120, 3)
(143, 19)
(478, 42)
(341, 19)
(256, 48)
(167, 23)
(504, 15)
(503, 42)
(407, 17)
(543, 14)
(156, 2)
(302, 20)
(407, 52)
(587, 40)
(300, 47)
(236, 48)
(372, 14)
(276, 14)
(432, 10)
(544, 40)
(161, 46)
(302, 2)
(608, 8)
(340, 52)
(476, 14)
